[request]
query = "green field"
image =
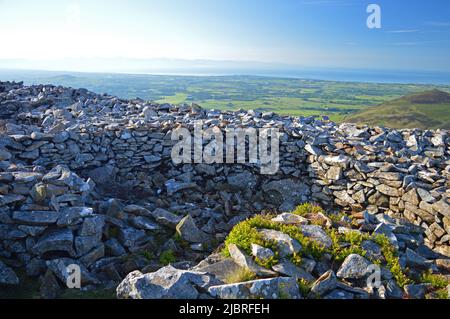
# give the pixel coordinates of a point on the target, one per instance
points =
(287, 96)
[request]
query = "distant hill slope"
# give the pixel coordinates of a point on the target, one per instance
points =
(425, 110)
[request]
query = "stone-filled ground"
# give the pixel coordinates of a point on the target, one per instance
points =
(88, 179)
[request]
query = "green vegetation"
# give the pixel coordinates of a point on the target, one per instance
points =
(304, 286)
(426, 110)
(286, 96)
(246, 233)
(438, 282)
(307, 208)
(148, 255)
(338, 252)
(167, 257)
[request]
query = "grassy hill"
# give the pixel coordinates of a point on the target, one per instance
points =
(425, 110)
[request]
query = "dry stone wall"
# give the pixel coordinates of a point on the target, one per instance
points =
(80, 146)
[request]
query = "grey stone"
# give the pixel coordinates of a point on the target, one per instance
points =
(425, 195)
(189, 231)
(56, 240)
(247, 262)
(141, 222)
(173, 186)
(416, 261)
(166, 283)
(415, 291)
(354, 267)
(286, 193)
(393, 290)
(274, 288)
(36, 217)
(137, 210)
(103, 175)
(84, 244)
(114, 248)
(286, 245)
(131, 237)
(338, 294)
(70, 216)
(10, 199)
(373, 251)
(7, 275)
(4, 155)
(325, 283)
(61, 268)
(166, 218)
(317, 234)
(221, 269)
(290, 219)
(287, 268)
(93, 226)
(262, 253)
(244, 180)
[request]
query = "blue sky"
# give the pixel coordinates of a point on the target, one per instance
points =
(415, 34)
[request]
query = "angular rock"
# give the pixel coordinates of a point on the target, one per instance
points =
(62, 269)
(166, 218)
(56, 240)
(325, 283)
(317, 234)
(131, 237)
(141, 222)
(290, 219)
(353, 267)
(286, 245)
(274, 288)
(166, 283)
(189, 231)
(262, 253)
(247, 262)
(70, 216)
(415, 291)
(36, 217)
(288, 269)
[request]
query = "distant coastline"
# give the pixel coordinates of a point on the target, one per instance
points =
(321, 74)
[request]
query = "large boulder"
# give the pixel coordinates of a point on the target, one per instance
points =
(166, 283)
